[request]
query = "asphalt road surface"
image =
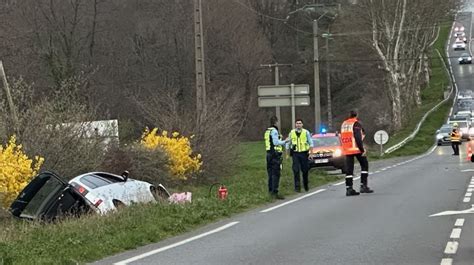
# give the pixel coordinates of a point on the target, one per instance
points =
(391, 226)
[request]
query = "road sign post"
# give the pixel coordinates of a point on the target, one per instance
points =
(381, 138)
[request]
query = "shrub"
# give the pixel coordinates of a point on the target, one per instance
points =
(16, 170)
(181, 162)
(143, 164)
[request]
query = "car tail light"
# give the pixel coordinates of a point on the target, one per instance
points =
(98, 202)
(83, 191)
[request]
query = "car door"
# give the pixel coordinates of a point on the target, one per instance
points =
(46, 197)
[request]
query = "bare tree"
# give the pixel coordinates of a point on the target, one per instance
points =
(402, 32)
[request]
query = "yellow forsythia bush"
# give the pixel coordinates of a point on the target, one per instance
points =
(16, 171)
(178, 148)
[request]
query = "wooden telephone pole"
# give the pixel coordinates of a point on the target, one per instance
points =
(9, 98)
(199, 60)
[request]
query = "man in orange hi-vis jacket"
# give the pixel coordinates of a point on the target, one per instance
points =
(352, 136)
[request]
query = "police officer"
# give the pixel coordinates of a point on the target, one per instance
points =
(300, 143)
(455, 139)
(274, 147)
(352, 135)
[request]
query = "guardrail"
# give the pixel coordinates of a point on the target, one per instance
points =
(453, 87)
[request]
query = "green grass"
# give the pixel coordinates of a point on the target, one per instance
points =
(431, 95)
(94, 237)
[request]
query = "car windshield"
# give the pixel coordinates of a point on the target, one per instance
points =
(465, 55)
(326, 141)
(461, 124)
(445, 130)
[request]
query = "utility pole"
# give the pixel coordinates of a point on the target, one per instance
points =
(327, 36)
(9, 98)
(317, 106)
(199, 60)
(277, 82)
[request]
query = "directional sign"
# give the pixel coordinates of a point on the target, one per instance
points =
(381, 137)
(282, 101)
(282, 90)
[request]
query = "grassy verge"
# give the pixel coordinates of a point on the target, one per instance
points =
(431, 95)
(94, 237)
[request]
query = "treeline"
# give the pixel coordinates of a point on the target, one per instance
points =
(134, 61)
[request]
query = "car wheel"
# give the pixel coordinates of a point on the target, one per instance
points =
(118, 204)
(160, 194)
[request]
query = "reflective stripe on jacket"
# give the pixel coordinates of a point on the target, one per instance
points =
(299, 143)
(455, 136)
(269, 142)
(347, 137)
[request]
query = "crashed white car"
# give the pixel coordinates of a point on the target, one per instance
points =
(48, 197)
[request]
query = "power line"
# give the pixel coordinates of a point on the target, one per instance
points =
(284, 20)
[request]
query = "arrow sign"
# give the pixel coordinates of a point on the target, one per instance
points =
(282, 90)
(468, 211)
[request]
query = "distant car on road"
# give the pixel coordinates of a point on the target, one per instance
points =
(458, 34)
(442, 135)
(48, 197)
(327, 151)
(459, 45)
(461, 38)
(465, 59)
(459, 28)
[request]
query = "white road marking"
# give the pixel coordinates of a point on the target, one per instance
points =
(451, 247)
(447, 261)
(470, 189)
(357, 178)
(466, 199)
(459, 222)
(468, 194)
(456, 233)
(471, 186)
(339, 183)
(144, 255)
(383, 169)
(378, 171)
(467, 170)
(467, 211)
(292, 201)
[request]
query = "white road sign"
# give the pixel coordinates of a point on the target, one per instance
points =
(282, 101)
(381, 137)
(282, 90)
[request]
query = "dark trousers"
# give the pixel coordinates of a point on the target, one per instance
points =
(455, 146)
(300, 163)
(273, 171)
(364, 166)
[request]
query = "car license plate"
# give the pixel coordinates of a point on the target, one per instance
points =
(320, 161)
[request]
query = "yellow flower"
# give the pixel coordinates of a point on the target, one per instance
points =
(16, 170)
(178, 148)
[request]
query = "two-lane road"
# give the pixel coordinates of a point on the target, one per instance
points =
(391, 226)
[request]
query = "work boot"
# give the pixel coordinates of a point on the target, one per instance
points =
(351, 192)
(278, 196)
(365, 189)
